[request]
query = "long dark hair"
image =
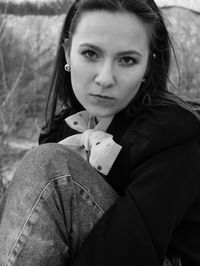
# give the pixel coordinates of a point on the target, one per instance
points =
(154, 91)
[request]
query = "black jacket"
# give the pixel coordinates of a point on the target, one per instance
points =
(157, 174)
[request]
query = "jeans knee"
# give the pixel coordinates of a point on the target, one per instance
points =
(44, 163)
(47, 152)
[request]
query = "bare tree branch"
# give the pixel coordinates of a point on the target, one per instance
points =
(38, 8)
(3, 21)
(36, 123)
(5, 85)
(14, 86)
(4, 126)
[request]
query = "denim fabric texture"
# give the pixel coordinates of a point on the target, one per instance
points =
(51, 205)
(53, 202)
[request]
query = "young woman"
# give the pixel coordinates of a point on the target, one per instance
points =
(116, 181)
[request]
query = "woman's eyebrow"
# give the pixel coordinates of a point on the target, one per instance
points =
(128, 52)
(92, 46)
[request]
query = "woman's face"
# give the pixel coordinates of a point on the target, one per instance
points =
(108, 59)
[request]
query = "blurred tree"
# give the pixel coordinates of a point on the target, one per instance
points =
(186, 39)
(13, 67)
(30, 8)
(16, 72)
(25, 69)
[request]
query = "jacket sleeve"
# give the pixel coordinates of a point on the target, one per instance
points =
(139, 227)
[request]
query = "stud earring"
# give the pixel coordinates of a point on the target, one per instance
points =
(67, 67)
(154, 55)
(143, 80)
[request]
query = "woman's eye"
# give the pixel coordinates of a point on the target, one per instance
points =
(90, 54)
(128, 61)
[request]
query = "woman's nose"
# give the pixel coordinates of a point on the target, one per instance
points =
(105, 75)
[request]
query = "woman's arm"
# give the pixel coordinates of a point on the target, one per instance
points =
(140, 226)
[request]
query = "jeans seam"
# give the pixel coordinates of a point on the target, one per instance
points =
(31, 212)
(89, 195)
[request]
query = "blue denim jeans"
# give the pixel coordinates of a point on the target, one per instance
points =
(51, 205)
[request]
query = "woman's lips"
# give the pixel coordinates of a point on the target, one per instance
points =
(101, 99)
(99, 96)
